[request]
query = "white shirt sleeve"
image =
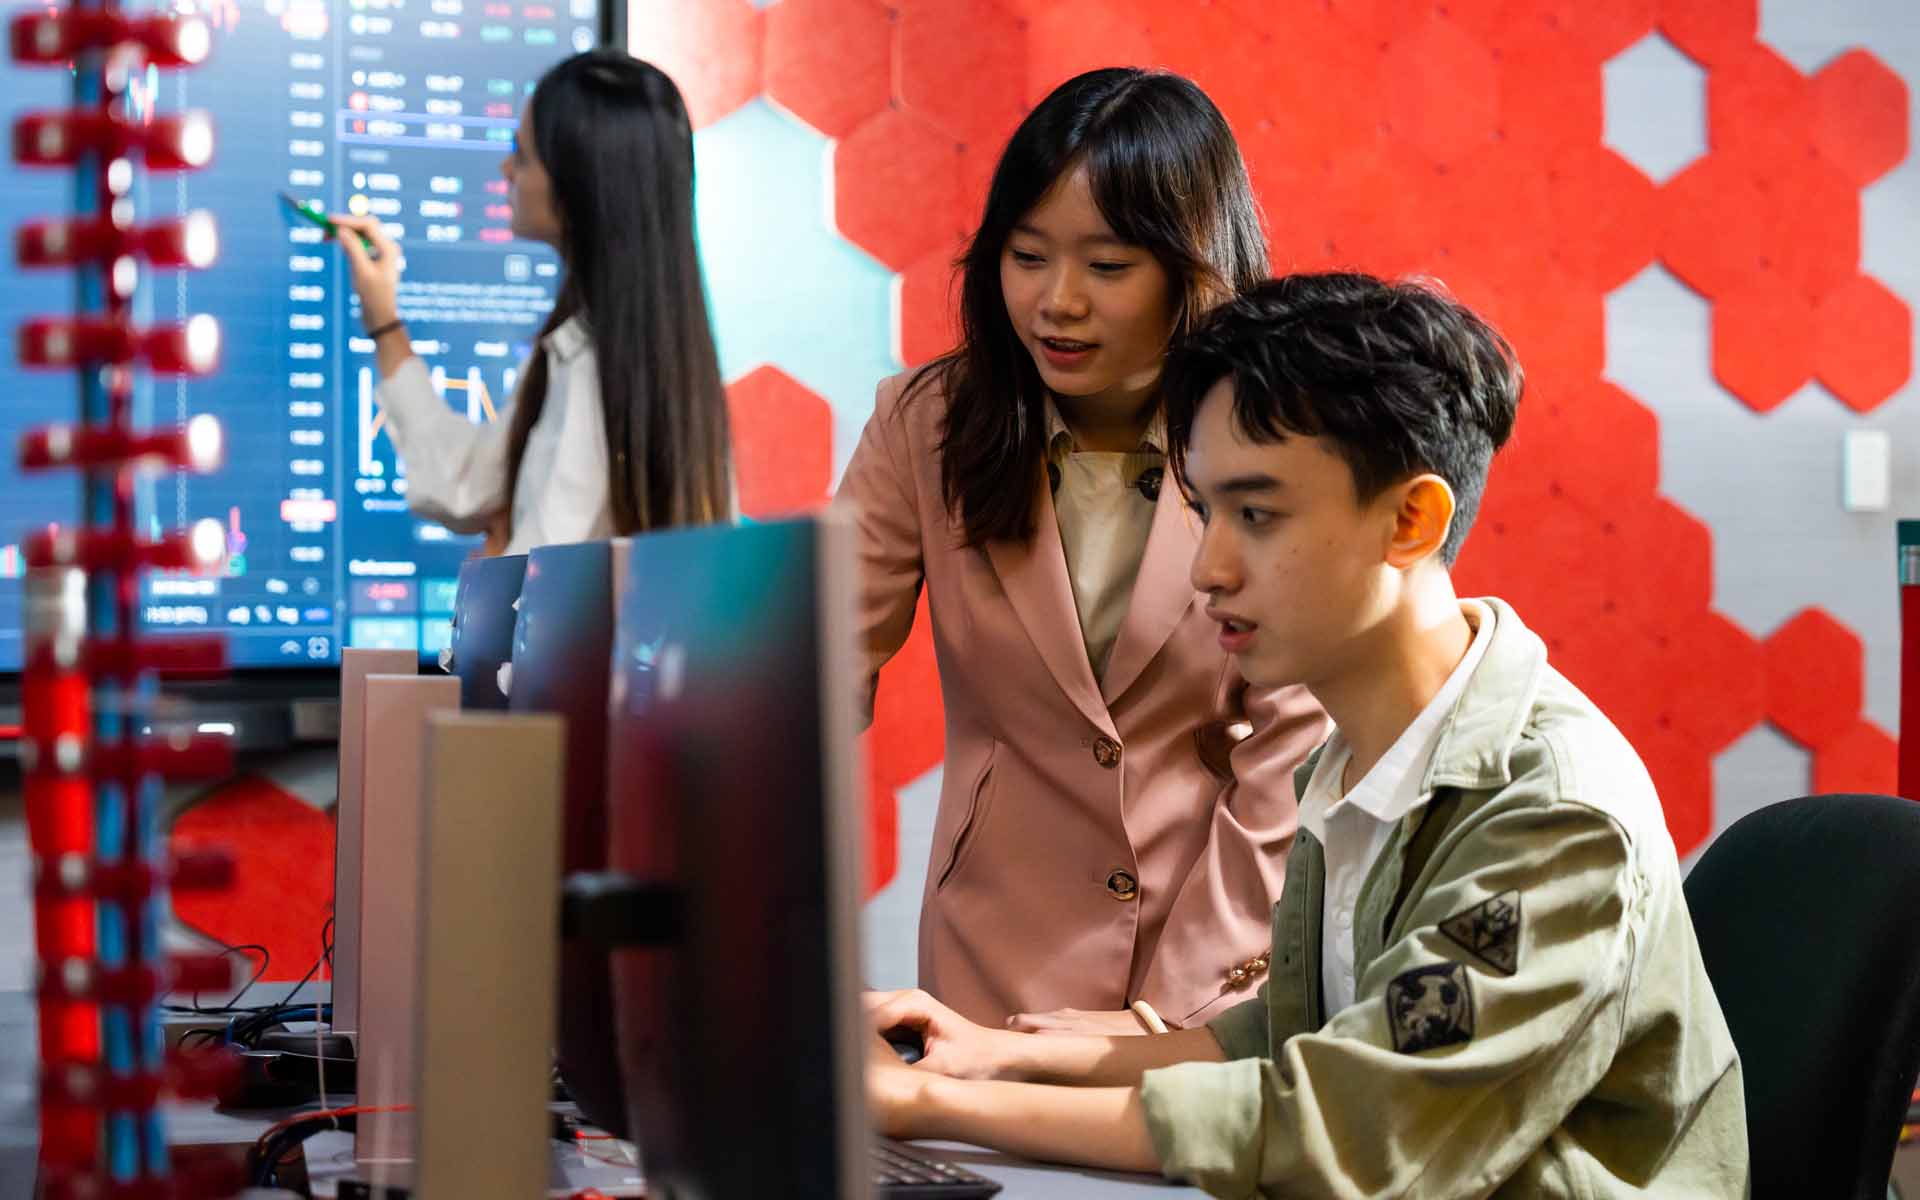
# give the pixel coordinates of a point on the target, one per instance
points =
(573, 503)
(456, 470)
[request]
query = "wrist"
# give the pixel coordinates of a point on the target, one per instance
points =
(1021, 1057)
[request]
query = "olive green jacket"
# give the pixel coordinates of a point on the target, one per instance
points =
(1532, 1015)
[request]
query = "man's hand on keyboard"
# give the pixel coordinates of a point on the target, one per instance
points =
(953, 1045)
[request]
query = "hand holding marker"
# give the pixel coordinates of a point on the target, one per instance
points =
(314, 215)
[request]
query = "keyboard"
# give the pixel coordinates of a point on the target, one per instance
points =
(903, 1173)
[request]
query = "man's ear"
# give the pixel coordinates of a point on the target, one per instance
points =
(1422, 516)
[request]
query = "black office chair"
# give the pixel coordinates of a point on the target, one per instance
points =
(1808, 914)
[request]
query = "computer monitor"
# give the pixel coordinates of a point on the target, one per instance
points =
(485, 608)
(562, 651)
(733, 737)
(398, 112)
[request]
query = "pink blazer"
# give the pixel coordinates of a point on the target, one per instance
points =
(1085, 853)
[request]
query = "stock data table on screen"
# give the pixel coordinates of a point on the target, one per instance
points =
(400, 109)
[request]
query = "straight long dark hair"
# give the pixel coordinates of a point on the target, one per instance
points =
(613, 135)
(1167, 175)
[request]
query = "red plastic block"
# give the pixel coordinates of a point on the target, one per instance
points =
(782, 443)
(1813, 678)
(1864, 758)
(963, 66)
(928, 317)
(1440, 90)
(1763, 346)
(1709, 30)
(896, 188)
(830, 62)
(1864, 343)
(1860, 116)
(711, 49)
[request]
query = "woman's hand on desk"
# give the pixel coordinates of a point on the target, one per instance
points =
(1079, 1021)
(375, 280)
(953, 1045)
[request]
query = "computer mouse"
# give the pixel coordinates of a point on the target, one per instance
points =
(906, 1043)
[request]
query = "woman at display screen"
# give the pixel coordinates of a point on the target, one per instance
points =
(619, 421)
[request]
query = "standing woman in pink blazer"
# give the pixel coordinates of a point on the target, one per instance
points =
(1117, 804)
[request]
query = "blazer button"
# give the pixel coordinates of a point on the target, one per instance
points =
(1122, 886)
(1106, 752)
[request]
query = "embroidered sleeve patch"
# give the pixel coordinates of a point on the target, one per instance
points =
(1490, 930)
(1430, 1007)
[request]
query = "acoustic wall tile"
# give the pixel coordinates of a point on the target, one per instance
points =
(283, 870)
(1739, 224)
(926, 309)
(1763, 345)
(1864, 347)
(1813, 678)
(1760, 106)
(1716, 683)
(896, 187)
(1859, 116)
(1621, 440)
(1433, 57)
(1548, 97)
(1603, 244)
(962, 65)
(712, 50)
(782, 444)
(1682, 773)
(830, 62)
(1862, 758)
(1673, 560)
(1709, 30)
(1653, 76)
(1068, 37)
(908, 734)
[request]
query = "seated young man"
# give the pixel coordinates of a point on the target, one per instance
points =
(1484, 978)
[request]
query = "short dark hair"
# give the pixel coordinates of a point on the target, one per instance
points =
(1167, 175)
(1400, 377)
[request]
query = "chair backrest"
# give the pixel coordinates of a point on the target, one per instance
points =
(1808, 915)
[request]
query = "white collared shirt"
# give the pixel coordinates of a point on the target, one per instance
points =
(1353, 829)
(1105, 515)
(456, 470)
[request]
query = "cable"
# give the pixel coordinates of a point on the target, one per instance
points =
(263, 1159)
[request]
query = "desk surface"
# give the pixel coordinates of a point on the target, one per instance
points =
(200, 1124)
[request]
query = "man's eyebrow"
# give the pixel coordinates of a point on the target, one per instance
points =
(1239, 484)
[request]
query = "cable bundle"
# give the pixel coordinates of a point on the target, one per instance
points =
(92, 769)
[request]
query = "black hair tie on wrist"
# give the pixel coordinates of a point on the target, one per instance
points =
(384, 330)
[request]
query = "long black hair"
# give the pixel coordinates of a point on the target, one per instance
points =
(613, 135)
(1167, 175)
